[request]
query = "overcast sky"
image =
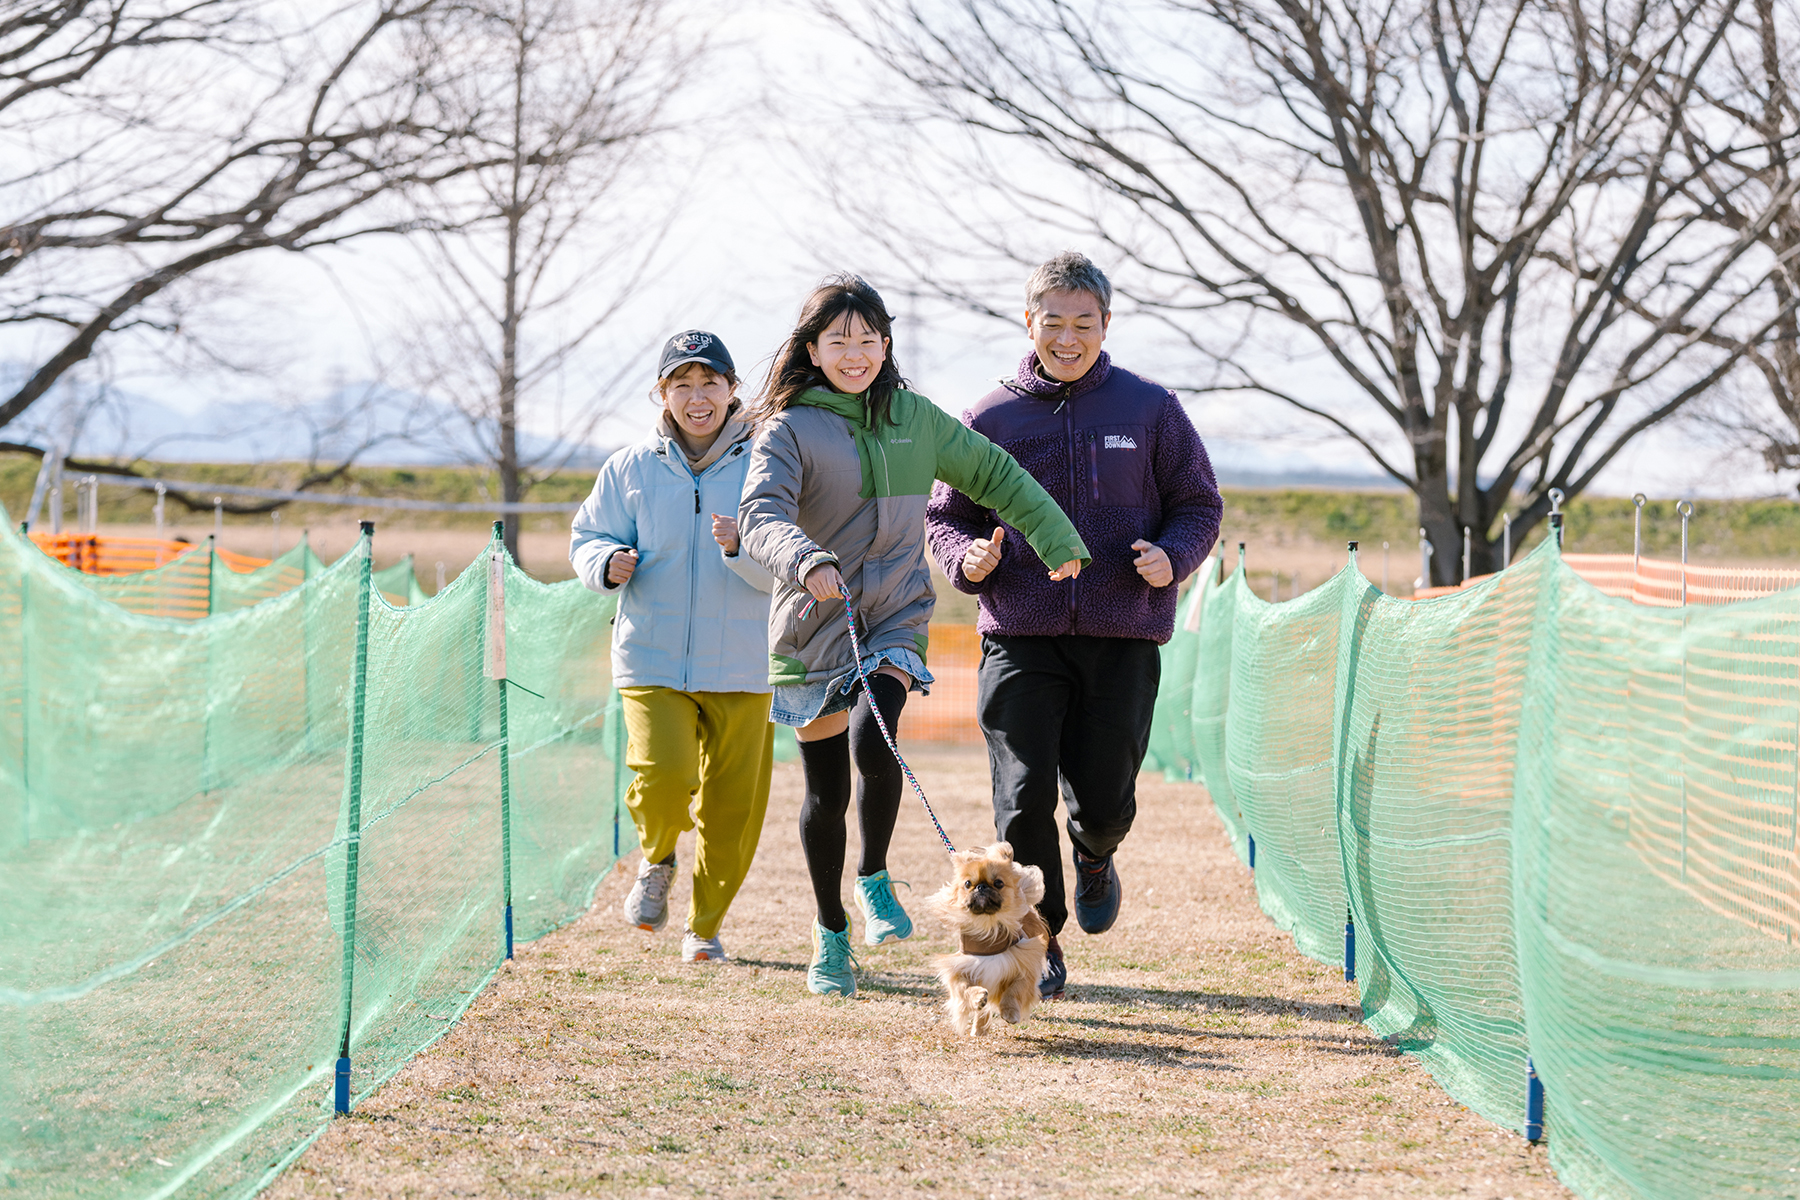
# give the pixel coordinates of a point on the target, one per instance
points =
(755, 230)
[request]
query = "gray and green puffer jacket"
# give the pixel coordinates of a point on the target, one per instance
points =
(825, 488)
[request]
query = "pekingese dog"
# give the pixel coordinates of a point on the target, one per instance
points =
(1001, 939)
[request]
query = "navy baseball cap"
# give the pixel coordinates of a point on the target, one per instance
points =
(694, 346)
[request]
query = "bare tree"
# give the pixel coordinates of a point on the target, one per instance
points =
(127, 181)
(1481, 241)
(540, 246)
(1751, 92)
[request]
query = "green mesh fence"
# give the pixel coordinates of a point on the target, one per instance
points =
(231, 847)
(1563, 828)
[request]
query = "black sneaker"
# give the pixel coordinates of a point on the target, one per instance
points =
(1050, 984)
(1096, 892)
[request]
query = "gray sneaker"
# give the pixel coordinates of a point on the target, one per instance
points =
(647, 904)
(695, 948)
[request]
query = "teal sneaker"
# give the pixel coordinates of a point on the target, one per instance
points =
(883, 918)
(830, 973)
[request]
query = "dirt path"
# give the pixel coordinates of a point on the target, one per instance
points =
(1196, 1054)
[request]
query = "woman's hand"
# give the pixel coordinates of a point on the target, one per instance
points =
(620, 566)
(725, 532)
(824, 582)
(1068, 570)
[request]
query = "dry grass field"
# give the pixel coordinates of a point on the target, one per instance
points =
(1195, 1054)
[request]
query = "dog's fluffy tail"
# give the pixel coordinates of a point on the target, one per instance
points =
(1031, 883)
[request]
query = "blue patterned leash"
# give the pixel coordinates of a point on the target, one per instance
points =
(881, 721)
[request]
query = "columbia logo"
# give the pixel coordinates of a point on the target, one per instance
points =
(1120, 441)
(900, 441)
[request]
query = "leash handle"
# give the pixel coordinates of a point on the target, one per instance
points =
(886, 734)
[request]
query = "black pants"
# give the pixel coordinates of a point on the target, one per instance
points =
(1073, 711)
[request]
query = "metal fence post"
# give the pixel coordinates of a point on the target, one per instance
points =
(1686, 509)
(494, 667)
(618, 765)
(359, 697)
(1637, 532)
(1465, 577)
(1425, 549)
(1384, 568)
(1505, 540)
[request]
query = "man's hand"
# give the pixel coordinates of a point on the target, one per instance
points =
(620, 566)
(824, 582)
(982, 556)
(1068, 570)
(1152, 563)
(725, 532)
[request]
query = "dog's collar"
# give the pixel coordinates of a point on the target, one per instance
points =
(1000, 941)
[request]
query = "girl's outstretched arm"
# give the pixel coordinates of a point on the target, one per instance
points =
(994, 480)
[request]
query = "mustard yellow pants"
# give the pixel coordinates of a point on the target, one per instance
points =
(712, 751)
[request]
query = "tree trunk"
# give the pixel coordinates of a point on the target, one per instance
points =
(510, 490)
(1439, 524)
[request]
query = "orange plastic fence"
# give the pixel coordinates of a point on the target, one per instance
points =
(948, 714)
(109, 554)
(183, 583)
(1660, 583)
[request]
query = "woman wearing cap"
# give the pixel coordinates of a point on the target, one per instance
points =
(835, 505)
(689, 652)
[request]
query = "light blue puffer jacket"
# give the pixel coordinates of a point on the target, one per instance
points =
(690, 617)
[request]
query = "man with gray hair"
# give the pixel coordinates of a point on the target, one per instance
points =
(1069, 668)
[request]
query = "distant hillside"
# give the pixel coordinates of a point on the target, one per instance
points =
(1721, 531)
(458, 485)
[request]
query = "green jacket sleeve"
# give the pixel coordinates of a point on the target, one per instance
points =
(994, 479)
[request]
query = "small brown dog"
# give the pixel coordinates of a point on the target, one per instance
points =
(1001, 939)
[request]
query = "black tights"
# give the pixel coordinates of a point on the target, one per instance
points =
(826, 764)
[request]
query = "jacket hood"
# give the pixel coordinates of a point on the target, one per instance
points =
(737, 428)
(1028, 381)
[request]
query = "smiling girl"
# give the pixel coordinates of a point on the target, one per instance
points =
(842, 467)
(688, 640)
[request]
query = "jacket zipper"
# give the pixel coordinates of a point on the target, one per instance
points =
(694, 569)
(1074, 488)
(693, 557)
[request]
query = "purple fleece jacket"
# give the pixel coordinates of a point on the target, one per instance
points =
(1122, 458)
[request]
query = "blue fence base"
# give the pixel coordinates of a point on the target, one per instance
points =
(1349, 949)
(343, 1085)
(509, 931)
(1251, 838)
(1534, 1104)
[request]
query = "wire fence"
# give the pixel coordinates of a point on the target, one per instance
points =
(256, 853)
(1550, 833)
(252, 862)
